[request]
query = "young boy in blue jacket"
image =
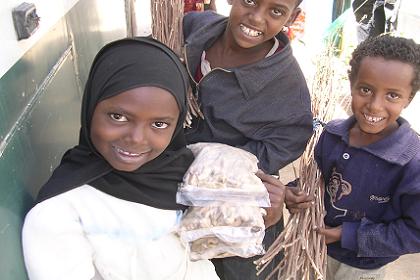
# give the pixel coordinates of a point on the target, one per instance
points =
(370, 163)
(252, 94)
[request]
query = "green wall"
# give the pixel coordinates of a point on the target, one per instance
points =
(39, 112)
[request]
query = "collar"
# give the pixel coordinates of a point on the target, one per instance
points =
(399, 147)
(206, 67)
(252, 78)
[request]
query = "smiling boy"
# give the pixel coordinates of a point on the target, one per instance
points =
(252, 94)
(370, 163)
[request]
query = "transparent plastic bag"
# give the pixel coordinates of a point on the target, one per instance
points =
(222, 173)
(212, 247)
(217, 231)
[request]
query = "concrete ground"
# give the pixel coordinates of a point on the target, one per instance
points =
(406, 267)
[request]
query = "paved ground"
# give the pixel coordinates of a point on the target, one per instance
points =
(405, 268)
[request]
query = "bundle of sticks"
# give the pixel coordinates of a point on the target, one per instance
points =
(167, 23)
(167, 28)
(303, 248)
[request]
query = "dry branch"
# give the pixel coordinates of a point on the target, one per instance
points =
(167, 28)
(167, 23)
(303, 248)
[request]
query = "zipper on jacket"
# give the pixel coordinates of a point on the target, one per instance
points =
(197, 84)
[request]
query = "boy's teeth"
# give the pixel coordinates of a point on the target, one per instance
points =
(250, 32)
(373, 119)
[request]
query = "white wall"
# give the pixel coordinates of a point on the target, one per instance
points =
(409, 19)
(223, 7)
(143, 17)
(318, 18)
(11, 49)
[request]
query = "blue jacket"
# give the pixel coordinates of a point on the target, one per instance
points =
(263, 107)
(373, 192)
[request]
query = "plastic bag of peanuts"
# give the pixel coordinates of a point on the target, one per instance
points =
(222, 231)
(224, 194)
(222, 173)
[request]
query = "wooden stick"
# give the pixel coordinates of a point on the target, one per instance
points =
(167, 23)
(303, 248)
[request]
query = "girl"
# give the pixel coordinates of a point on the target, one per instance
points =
(109, 209)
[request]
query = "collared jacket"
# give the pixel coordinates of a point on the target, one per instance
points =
(373, 192)
(262, 107)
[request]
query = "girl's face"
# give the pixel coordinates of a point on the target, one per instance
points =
(381, 90)
(134, 127)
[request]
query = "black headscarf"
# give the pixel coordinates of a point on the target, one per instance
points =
(120, 66)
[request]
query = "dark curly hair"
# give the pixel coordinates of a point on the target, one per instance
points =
(391, 48)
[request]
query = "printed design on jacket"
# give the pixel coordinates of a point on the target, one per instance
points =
(337, 188)
(379, 199)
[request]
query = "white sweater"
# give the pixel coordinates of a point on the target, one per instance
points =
(86, 234)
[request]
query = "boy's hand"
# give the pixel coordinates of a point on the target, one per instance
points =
(276, 192)
(297, 200)
(331, 234)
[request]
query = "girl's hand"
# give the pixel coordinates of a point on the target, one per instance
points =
(276, 192)
(331, 234)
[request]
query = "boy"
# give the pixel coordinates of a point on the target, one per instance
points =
(371, 162)
(252, 94)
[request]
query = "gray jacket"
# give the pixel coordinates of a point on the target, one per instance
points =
(263, 107)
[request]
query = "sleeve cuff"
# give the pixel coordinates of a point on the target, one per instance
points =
(349, 236)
